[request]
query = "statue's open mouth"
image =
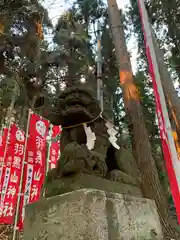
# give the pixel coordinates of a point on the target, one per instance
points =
(75, 114)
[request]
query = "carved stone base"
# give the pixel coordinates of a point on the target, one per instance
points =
(79, 181)
(90, 214)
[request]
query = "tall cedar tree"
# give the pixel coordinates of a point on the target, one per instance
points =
(150, 183)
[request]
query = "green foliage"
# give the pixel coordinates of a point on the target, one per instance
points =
(72, 56)
(42, 70)
(21, 50)
(135, 21)
(164, 18)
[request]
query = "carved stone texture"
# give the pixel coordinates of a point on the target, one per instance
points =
(79, 181)
(74, 105)
(93, 215)
(126, 162)
(119, 176)
(77, 105)
(76, 158)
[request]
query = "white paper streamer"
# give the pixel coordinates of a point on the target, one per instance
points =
(91, 137)
(112, 134)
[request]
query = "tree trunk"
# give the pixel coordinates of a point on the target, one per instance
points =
(150, 182)
(12, 104)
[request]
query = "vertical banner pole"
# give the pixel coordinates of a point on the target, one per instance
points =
(48, 156)
(173, 164)
(21, 179)
(99, 68)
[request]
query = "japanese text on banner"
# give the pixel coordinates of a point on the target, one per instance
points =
(55, 148)
(11, 175)
(34, 171)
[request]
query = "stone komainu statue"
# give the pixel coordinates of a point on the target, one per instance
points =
(73, 107)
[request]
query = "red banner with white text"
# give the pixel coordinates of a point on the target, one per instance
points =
(3, 141)
(170, 164)
(11, 174)
(54, 148)
(34, 171)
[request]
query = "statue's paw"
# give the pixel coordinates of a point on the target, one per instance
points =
(100, 169)
(119, 176)
(73, 166)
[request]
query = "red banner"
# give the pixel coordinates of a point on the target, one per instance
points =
(11, 175)
(172, 163)
(34, 171)
(3, 138)
(54, 148)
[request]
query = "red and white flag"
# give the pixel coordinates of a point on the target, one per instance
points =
(169, 149)
(54, 148)
(11, 174)
(3, 141)
(34, 170)
(3, 138)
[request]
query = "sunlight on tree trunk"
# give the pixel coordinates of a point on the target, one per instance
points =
(150, 183)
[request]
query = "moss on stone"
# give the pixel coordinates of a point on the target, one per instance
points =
(80, 181)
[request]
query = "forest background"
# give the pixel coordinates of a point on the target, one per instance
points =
(48, 45)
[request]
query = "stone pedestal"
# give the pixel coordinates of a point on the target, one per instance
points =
(80, 181)
(90, 214)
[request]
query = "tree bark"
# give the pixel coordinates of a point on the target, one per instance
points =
(12, 104)
(150, 182)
